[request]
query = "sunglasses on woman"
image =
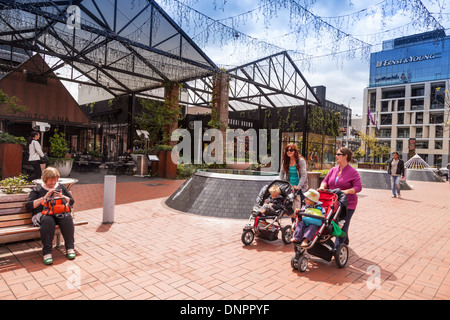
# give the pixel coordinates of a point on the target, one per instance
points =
(290, 150)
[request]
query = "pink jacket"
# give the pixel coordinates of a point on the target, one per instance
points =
(349, 179)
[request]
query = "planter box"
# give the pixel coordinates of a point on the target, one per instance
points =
(171, 167)
(162, 155)
(64, 167)
(10, 159)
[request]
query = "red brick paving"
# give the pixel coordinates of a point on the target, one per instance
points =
(153, 252)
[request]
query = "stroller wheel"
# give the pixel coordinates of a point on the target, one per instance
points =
(247, 237)
(286, 234)
(294, 262)
(302, 264)
(341, 255)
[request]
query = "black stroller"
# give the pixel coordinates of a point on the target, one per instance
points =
(335, 204)
(268, 226)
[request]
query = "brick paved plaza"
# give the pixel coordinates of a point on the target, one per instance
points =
(153, 252)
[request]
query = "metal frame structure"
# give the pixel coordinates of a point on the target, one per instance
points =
(134, 47)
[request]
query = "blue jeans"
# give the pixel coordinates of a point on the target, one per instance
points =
(395, 184)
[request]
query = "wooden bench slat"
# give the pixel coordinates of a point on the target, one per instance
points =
(13, 211)
(15, 217)
(31, 228)
(13, 223)
(12, 205)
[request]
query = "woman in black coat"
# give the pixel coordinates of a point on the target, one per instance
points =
(50, 188)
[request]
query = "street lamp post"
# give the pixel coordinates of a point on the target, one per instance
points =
(348, 121)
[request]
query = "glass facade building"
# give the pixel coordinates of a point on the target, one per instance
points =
(407, 101)
(418, 58)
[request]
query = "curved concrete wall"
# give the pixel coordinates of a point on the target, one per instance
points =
(378, 179)
(422, 175)
(219, 194)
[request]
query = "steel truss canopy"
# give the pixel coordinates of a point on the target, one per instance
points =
(271, 82)
(134, 47)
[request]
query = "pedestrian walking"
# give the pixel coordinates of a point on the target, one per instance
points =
(396, 170)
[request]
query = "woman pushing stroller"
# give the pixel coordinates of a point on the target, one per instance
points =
(347, 179)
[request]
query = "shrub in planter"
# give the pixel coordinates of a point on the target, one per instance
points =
(59, 148)
(14, 185)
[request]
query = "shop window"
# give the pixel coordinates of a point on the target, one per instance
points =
(400, 118)
(418, 91)
(416, 104)
(437, 96)
(421, 144)
(437, 160)
(401, 105)
(391, 94)
(439, 132)
(386, 119)
(438, 144)
(419, 118)
(436, 118)
(384, 106)
(399, 146)
(419, 133)
(403, 132)
(372, 102)
(385, 133)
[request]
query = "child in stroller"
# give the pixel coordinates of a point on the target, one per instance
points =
(274, 202)
(259, 222)
(321, 245)
(306, 227)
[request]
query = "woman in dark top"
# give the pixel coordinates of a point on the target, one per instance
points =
(51, 188)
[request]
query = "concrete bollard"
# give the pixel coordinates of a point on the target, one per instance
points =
(109, 199)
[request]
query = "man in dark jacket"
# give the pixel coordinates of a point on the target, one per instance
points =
(397, 171)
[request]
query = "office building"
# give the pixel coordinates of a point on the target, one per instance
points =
(407, 101)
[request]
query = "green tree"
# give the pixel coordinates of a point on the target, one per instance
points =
(156, 116)
(58, 145)
(11, 104)
(372, 147)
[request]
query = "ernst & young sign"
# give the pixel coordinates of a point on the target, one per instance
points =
(409, 59)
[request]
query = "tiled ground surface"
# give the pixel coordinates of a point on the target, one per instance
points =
(152, 252)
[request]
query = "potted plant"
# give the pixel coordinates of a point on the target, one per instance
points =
(11, 150)
(58, 150)
(15, 185)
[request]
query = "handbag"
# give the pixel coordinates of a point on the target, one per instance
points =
(44, 159)
(55, 206)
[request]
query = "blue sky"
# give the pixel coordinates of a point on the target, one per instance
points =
(345, 75)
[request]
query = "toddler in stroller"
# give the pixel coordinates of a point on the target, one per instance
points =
(320, 243)
(265, 219)
(273, 203)
(306, 227)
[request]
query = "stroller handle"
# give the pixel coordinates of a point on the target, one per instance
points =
(313, 216)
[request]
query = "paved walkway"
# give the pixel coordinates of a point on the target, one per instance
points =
(399, 249)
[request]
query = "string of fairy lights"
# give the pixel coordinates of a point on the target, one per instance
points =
(307, 37)
(305, 27)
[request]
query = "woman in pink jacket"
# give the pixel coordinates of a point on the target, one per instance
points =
(344, 177)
